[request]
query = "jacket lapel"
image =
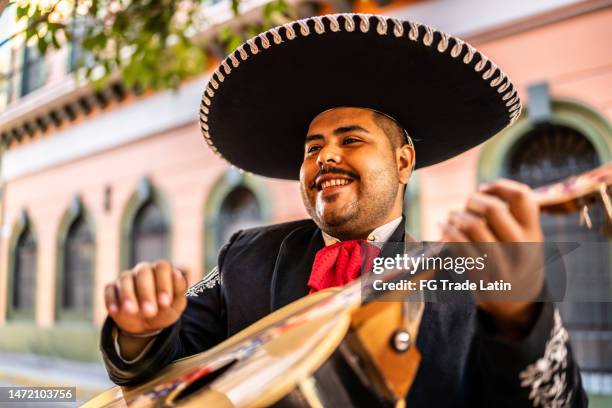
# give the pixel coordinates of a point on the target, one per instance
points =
(294, 264)
(296, 256)
(391, 248)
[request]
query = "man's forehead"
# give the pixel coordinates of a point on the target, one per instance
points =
(341, 116)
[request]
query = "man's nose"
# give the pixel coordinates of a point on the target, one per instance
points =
(329, 154)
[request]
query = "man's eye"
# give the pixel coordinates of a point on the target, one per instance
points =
(313, 148)
(350, 140)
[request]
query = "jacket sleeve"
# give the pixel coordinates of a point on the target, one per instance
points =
(538, 371)
(202, 325)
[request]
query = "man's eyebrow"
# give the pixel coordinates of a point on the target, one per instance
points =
(310, 138)
(337, 132)
(350, 128)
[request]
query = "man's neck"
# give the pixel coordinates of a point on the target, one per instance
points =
(380, 234)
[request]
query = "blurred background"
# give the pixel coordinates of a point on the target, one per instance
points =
(103, 163)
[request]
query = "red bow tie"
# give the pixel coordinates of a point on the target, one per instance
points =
(341, 263)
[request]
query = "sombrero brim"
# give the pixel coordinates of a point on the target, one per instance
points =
(258, 104)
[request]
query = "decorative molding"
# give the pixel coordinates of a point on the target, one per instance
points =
(53, 105)
(463, 17)
(538, 20)
(127, 123)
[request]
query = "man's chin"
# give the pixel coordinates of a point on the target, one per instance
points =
(335, 219)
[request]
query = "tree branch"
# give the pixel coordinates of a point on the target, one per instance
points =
(32, 24)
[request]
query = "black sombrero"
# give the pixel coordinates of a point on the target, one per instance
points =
(258, 104)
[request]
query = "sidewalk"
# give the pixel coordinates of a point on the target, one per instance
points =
(35, 370)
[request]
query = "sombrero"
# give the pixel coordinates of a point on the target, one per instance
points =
(257, 105)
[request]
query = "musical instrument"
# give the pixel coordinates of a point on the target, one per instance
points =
(310, 351)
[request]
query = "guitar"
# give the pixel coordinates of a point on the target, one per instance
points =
(283, 359)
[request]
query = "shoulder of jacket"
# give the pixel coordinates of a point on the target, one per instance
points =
(275, 231)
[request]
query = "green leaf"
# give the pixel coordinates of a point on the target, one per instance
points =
(22, 11)
(55, 26)
(55, 42)
(42, 45)
(235, 6)
(144, 27)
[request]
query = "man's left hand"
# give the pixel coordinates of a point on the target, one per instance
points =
(505, 211)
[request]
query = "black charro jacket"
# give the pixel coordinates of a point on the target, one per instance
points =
(463, 363)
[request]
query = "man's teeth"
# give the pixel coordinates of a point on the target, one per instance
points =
(334, 182)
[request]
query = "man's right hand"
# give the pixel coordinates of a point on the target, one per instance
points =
(147, 298)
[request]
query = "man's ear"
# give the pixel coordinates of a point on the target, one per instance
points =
(405, 162)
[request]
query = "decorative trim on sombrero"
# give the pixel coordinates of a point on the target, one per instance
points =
(384, 26)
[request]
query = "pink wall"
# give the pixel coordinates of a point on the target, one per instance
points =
(180, 166)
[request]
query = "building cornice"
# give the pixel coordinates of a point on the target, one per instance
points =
(126, 123)
(538, 20)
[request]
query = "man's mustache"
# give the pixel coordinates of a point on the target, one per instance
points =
(335, 170)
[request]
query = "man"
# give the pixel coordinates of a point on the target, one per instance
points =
(354, 162)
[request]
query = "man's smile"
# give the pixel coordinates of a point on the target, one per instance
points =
(331, 180)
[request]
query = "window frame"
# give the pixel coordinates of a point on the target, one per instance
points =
(144, 192)
(215, 197)
(27, 315)
(24, 88)
(77, 210)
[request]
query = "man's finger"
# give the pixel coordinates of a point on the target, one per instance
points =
(162, 272)
(460, 243)
(145, 289)
(450, 233)
(519, 198)
(501, 221)
(180, 287)
(474, 227)
(127, 294)
(110, 299)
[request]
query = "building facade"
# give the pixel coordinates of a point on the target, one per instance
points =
(95, 181)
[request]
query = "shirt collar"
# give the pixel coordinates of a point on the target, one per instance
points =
(380, 234)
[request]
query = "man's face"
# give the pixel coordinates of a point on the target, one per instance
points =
(349, 177)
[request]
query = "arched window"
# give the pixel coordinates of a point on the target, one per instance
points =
(546, 154)
(236, 201)
(149, 234)
(23, 283)
(77, 279)
(239, 210)
(550, 153)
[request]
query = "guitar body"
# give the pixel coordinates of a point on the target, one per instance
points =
(257, 367)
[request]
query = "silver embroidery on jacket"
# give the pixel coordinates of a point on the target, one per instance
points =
(546, 377)
(208, 282)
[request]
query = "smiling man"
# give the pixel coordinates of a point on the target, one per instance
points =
(353, 163)
(356, 164)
